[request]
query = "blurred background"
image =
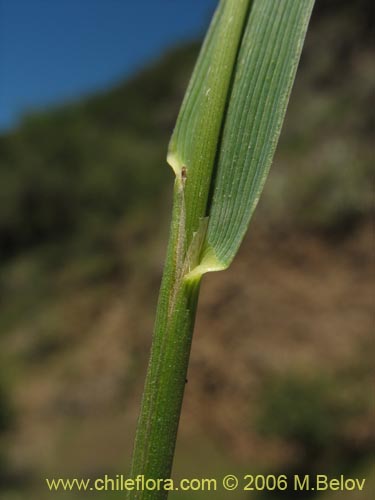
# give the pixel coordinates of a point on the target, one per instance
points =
(280, 373)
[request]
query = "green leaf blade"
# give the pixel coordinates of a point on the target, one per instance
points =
(195, 138)
(265, 70)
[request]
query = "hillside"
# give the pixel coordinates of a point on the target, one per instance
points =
(85, 193)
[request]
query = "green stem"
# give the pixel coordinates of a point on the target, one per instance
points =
(221, 150)
(165, 381)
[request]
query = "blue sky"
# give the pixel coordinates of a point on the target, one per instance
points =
(52, 51)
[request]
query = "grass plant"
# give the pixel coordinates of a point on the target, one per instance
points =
(220, 151)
